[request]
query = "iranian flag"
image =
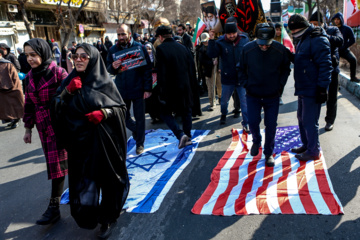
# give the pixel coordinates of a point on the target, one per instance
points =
(200, 27)
(286, 40)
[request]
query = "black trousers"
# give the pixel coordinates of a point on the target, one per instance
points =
(350, 57)
(137, 127)
(331, 104)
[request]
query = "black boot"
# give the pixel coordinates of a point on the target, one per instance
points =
(52, 213)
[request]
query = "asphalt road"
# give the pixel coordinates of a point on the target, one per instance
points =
(25, 191)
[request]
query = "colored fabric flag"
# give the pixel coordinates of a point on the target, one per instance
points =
(242, 184)
(153, 172)
(249, 13)
(286, 40)
(200, 27)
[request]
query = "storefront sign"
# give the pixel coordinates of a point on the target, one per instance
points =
(6, 31)
(73, 3)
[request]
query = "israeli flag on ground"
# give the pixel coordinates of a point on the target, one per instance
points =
(153, 172)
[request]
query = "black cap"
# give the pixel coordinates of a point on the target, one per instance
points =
(265, 33)
(210, 9)
(163, 30)
(230, 27)
(314, 17)
(278, 25)
(297, 21)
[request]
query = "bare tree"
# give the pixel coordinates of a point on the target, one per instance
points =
(189, 11)
(25, 18)
(66, 18)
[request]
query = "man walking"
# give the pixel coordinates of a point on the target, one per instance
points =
(134, 84)
(349, 40)
(9, 56)
(312, 74)
(176, 80)
(266, 66)
(186, 37)
(336, 41)
(229, 49)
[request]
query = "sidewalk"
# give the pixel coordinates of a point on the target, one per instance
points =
(344, 78)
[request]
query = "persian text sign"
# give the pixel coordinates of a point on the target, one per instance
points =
(131, 58)
(73, 3)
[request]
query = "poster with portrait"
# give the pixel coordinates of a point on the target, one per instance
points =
(209, 14)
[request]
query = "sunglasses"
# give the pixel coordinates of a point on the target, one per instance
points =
(83, 56)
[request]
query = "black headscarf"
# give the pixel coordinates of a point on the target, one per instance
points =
(41, 47)
(98, 89)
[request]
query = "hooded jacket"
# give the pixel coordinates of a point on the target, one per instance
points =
(336, 41)
(11, 57)
(347, 33)
(312, 63)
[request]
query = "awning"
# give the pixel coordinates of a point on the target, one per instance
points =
(99, 29)
(6, 31)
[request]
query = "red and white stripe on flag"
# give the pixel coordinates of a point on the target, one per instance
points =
(242, 184)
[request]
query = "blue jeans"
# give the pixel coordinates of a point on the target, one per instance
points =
(227, 91)
(174, 127)
(136, 127)
(271, 111)
(308, 116)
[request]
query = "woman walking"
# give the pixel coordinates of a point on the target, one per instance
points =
(43, 80)
(90, 115)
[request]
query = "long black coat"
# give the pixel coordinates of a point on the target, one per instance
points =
(176, 78)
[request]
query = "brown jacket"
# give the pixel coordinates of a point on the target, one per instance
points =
(11, 95)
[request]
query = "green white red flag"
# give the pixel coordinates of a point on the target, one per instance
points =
(200, 27)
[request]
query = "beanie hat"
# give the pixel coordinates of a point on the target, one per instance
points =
(278, 25)
(314, 17)
(298, 21)
(230, 27)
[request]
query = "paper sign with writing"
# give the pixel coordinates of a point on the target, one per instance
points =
(130, 58)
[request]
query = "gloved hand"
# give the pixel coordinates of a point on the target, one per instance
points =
(95, 117)
(74, 84)
(321, 94)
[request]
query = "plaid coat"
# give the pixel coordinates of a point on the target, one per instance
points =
(37, 112)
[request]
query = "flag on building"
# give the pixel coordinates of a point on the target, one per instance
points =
(200, 27)
(242, 184)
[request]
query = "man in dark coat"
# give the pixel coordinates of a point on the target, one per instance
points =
(186, 37)
(9, 56)
(312, 74)
(229, 49)
(134, 84)
(108, 44)
(349, 40)
(175, 80)
(102, 50)
(24, 65)
(266, 68)
(336, 41)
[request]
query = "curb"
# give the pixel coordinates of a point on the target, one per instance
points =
(353, 88)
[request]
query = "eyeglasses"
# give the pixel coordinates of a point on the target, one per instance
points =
(83, 56)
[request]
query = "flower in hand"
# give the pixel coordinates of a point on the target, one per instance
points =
(95, 117)
(74, 84)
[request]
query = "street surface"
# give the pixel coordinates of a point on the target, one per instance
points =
(25, 190)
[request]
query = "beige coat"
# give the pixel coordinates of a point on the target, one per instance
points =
(11, 95)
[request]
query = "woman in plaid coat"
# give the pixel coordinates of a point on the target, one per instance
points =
(43, 80)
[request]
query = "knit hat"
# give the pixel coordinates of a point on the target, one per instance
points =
(298, 21)
(314, 17)
(230, 27)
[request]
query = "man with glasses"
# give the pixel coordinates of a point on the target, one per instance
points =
(266, 68)
(134, 84)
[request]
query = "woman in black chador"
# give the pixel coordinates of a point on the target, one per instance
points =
(89, 116)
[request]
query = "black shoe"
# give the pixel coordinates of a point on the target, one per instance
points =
(329, 127)
(306, 157)
(254, 149)
(106, 230)
(12, 125)
(270, 161)
(139, 150)
(52, 213)
(355, 80)
(236, 114)
(211, 108)
(222, 119)
(246, 129)
(298, 149)
(236, 111)
(219, 101)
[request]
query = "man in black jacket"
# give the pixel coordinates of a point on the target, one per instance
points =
(186, 37)
(349, 40)
(9, 56)
(266, 66)
(336, 41)
(176, 82)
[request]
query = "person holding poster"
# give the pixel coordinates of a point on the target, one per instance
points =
(131, 64)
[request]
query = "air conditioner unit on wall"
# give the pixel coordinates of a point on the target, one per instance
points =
(12, 8)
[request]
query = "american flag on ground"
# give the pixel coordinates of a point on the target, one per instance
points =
(242, 184)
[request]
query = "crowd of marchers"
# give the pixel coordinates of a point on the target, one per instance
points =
(81, 113)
